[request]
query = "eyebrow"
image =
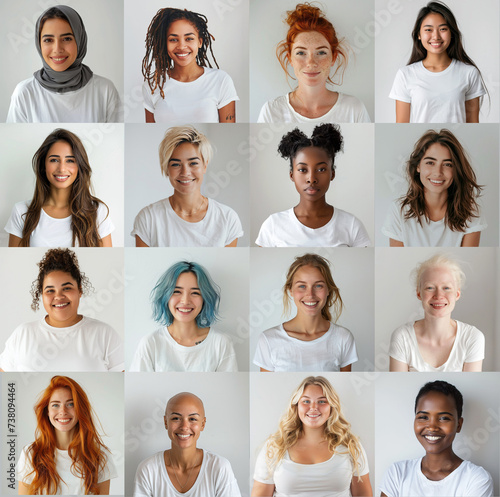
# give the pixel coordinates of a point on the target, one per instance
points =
(64, 284)
(55, 155)
(185, 34)
(179, 414)
(317, 48)
(182, 288)
(433, 158)
(443, 412)
(317, 281)
(55, 400)
(432, 25)
(307, 397)
(53, 36)
(306, 164)
(179, 160)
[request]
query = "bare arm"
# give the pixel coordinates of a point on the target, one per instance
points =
(14, 241)
(402, 112)
(472, 110)
(233, 243)
(361, 488)
(262, 370)
(346, 368)
(382, 494)
(262, 489)
(398, 366)
(471, 239)
(106, 241)
(227, 114)
(395, 243)
(139, 242)
(103, 488)
(150, 117)
(475, 366)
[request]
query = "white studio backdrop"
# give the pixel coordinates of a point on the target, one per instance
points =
(351, 20)
(104, 146)
(273, 191)
(226, 179)
(227, 22)
(104, 25)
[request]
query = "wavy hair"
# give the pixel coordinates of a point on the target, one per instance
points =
(164, 289)
(305, 18)
(156, 45)
(323, 266)
(86, 449)
(82, 203)
(337, 428)
(462, 194)
(439, 261)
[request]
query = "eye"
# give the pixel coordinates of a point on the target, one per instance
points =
(176, 292)
(173, 40)
(319, 285)
(71, 404)
(195, 163)
(322, 402)
(70, 160)
(47, 40)
(448, 164)
(300, 52)
(322, 169)
(305, 401)
(53, 159)
(68, 38)
(189, 39)
(55, 406)
(196, 294)
(445, 418)
(322, 52)
(193, 420)
(422, 417)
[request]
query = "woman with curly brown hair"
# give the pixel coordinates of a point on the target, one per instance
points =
(63, 340)
(180, 84)
(68, 455)
(63, 211)
(313, 453)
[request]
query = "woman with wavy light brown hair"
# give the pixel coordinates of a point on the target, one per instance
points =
(63, 211)
(313, 453)
(68, 455)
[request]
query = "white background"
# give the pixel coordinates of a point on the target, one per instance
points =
(104, 25)
(268, 29)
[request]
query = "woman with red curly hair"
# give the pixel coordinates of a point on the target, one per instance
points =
(317, 56)
(68, 455)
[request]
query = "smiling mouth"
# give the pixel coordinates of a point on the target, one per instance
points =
(182, 437)
(313, 416)
(64, 421)
(61, 306)
(182, 55)
(433, 438)
(437, 182)
(438, 306)
(59, 60)
(311, 305)
(61, 178)
(185, 181)
(184, 310)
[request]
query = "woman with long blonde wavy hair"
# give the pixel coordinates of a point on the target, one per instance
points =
(313, 453)
(68, 455)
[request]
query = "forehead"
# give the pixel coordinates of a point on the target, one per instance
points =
(186, 150)
(56, 26)
(181, 26)
(187, 280)
(433, 19)
(439, 151)
(185, 404)
(60, 148)
(313, 391)
(436, 401)
(58, 278)
(61, 394)
(438, 274)
(307, 273)
(312, 155)
(310, 39)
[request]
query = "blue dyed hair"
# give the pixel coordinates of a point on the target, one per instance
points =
(164, 289)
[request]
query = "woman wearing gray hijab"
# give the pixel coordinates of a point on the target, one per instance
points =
(65, 89)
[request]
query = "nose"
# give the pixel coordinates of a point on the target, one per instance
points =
(185, 423)
(312, 177)
(311, 59)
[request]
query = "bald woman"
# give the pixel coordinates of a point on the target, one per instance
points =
(184, 469)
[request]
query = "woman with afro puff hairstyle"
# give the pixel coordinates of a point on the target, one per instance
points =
(63, 340)
(312, 222)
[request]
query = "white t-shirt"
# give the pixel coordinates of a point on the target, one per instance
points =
(347, 109)
(467, 347)
(89, 345)
(158, 225)
(405, 479)
(277, 351)
(71, 484)
(160, 352)
(96, 102)
(430, 234)
(331, 478)
(437, 97)
(283, 229)
(215, 479)
(197, 101)
(52, 232)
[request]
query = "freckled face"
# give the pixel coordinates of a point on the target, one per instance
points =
(61, 410)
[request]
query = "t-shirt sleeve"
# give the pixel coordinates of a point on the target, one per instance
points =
(17, 109)
(234, 227)
(114, 351)
(15, 224)
(398, 347)
(227, 363)
(8, 356)
(393, 224)
(225, 481)
(349, 353)
(363, 467)
(265, 237)
(227, 91)
(105, 225)
(142, 226)
(391, 482)
(262, 357)
(143, 360)
(476, 224)
(262, 473)
(24, 467)
(143, 481)
(360, 236)
(147, 98)
(399, 90)
(265, 114)
(480, 484)
(475, 346)
(476, 87)
(109, 471)
(114, 108)
(362, 115)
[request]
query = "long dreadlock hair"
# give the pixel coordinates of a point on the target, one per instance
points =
(156, 45)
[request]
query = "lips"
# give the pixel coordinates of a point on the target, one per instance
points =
(310, 304)
(432, 439)
(438, 305)
(61, 177)
(311, 190)
(59, 60)
(185, 181)
(437, 182)
(61, 306)
(182, 436)
(184, 310)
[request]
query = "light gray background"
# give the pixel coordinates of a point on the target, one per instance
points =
(395, 143)
(352, 271)
(267, 29)
(225, 397)
(105, 392)
(228, 268)
(270, 396)
(103, 23)
(227, 22)
(104, 146)
(103, 267)
(273, 191)
(480, 36)
(226, 179)
(396, 302)
(394, 416)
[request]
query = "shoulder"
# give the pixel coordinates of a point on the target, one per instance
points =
(475, 471)
(464, 68)
(346, 217)
(102, 83)
(96, 325)
(21, 207)
(273, 332)
(276, 103)
(217, 463)
(278, 217)
(26, 86)
(469, 330)
(216, 74)
(151, 463)
(340, 331)
(220, 339)
(402, 332)
(350, 101)
(155, 208)
(222, 208)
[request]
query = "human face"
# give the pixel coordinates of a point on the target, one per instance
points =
(435, 34)
(309, 291)
(186, 302)
(313, 408)
(183, 43)
(186, 168)
(60, 165)
(184, 420)
(438, 292)
(311, 58)
(58, 44)
(436, 169)
(312, 173)
(61, 298)
(436, 422)
(61, 410)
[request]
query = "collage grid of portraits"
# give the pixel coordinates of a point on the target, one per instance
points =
(243, 408)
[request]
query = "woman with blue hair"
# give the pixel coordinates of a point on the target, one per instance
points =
(185, 302)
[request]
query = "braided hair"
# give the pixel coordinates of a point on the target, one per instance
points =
(156, 45)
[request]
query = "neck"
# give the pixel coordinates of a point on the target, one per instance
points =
(438, 328)
(313, 207)
(313, 435)
(437, 60)
(442, 461)
(185, 330)
(309, 325)
(312, 96)
(187, 204)
(184, 458)
(64, 439)
(436, 201)
(186, 73)
(59, 198)
(63, 324)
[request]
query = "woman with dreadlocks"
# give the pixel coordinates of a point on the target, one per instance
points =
(180, 84)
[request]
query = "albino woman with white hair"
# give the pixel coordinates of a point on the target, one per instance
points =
(187, 218)
(437, 343)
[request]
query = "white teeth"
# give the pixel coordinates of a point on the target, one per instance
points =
(434, 182)
(314, 415)
(64, 421)
(185, 182)
(184, 436)
(310, 304)
(432, 438)
(61, 305)
(184, 309)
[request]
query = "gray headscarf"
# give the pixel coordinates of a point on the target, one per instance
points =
(78, 74)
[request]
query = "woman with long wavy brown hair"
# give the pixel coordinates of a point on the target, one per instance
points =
(68, 455)
(63, 211)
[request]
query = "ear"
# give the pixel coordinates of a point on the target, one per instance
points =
(419, 297)
(203, 424)
(418, 169)
(291, 174)
(458, 294)
(333, 173)
(166, 422)
(459, 426)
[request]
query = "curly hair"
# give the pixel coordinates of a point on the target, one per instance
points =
(305, 18)
(462, 194)
(323, 265)
(86, 449)
(156, 45)
(60, 259)
(325, 136)
(337, 428)
(83, 205)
